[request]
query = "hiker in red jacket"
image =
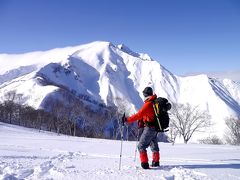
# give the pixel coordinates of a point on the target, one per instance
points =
(149, 134)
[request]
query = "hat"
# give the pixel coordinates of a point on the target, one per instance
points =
(147, 92)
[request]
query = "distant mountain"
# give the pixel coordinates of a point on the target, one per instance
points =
(113, 75)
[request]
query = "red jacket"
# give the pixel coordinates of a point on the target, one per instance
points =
(146, 113)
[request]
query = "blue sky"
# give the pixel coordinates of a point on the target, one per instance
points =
(185, 36)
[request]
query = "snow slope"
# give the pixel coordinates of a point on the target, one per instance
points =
(29, 154)
(114, 75)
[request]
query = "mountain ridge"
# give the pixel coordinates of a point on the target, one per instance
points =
(107, 73)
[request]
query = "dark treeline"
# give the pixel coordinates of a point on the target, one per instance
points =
(66, 116)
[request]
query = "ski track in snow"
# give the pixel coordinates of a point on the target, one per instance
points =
(63, 166)
(30, 155)
(56, 166)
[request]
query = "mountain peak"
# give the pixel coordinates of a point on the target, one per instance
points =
(127, 50)
(102, 72)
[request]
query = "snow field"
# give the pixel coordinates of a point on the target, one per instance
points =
(29, 154)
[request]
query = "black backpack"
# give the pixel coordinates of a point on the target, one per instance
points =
(161, 107)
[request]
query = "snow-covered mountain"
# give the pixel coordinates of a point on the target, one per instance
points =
(110, 74)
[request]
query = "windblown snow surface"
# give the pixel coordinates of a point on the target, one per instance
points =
(30, 154)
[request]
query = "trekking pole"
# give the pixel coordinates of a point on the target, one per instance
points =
(135, 154)
(121, 131)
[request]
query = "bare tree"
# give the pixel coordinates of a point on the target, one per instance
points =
(9, 105)
(27, 116)
(40, 118)
(187, 120)
(112, 116)
(211, 140)
(73, 112)
(10, 96)
(123, 107)
(2, 113)
(49, 121)
(59, 112)
(232, 134)
(173, 132)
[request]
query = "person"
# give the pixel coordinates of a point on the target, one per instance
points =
(146, 118)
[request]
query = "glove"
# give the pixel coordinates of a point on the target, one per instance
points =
(140, 124)
(124, 119)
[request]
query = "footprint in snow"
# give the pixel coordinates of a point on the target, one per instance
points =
(25, 173)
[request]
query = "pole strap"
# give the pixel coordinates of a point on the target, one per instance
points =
(158, 121)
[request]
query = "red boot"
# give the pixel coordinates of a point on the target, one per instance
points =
(144, 160)
(156, 158)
